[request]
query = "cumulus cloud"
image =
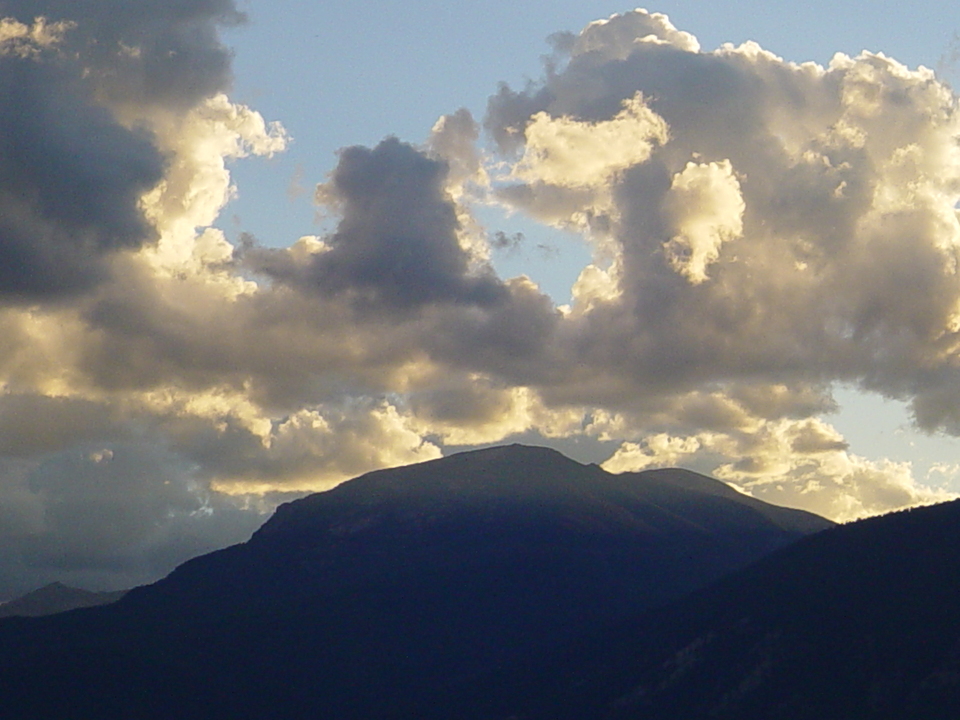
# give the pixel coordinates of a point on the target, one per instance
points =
(792, 226)
(397, 244)
(149, 53)
(800, 463)
(71, 177)
(567, 152)
(704, 207)
(762, 230)
(781, 230)
(84, 83)
(112, 149)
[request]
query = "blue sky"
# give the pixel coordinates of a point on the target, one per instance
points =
(242, 261)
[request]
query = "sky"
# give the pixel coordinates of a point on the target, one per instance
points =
(250, 250)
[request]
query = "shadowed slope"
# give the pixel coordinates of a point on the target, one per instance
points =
(374, 597)
(861, 621)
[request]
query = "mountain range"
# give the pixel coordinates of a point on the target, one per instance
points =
(513, 582)
(56, 598)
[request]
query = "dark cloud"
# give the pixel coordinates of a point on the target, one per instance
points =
(75, 154)
(147, 52)
(70, 182)
(397, 244)
(33, 425)
(502, 241)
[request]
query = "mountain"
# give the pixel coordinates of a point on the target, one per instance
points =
(56, 598)
(860, 621)
(384, 594)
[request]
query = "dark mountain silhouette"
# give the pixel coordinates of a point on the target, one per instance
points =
(56, 598)
(861, 621)
(380, 596)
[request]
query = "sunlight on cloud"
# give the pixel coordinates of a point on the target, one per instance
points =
(804, 464)
(310, 451)
(596, 285)
(705, 209)
(474, 411)
(197, 183)
(616, 37)
(22, 40)
(567, 152)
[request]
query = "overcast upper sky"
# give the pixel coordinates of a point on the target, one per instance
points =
(252, 250)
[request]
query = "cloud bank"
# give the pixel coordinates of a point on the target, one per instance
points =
(761, 231)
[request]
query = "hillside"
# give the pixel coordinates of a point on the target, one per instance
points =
(377, 597)
(860, 621)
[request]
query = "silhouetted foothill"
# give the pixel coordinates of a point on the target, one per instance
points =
(55, 598)
(860, 621)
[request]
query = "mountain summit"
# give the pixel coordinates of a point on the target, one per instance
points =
(376, 597)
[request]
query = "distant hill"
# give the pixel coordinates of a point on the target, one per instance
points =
(384, 594)
(56, 598)
(861, 621)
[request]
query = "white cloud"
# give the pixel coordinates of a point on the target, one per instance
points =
(570, 153)
(798, 463)
(196, 185)
(617, 37)
(704, 209)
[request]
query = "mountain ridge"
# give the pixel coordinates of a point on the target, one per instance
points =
(859, 621)
(54, 598)
(372, 598)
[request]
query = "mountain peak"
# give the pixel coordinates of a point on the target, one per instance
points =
(526, 481)
(387, 590)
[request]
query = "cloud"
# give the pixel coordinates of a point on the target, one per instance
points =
(108, 516)
(704, 207)
(86, 83)
(397, 244)
(760, 230)
(617, 37)
(310, 450)
(799, 463)
(454, 139)
(112, 150)
(70, 181)
(145, 54)
(779, 232)
(793, 226)
(24, 41)
(566, 152)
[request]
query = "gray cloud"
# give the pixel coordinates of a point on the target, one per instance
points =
(108, 516)
(148, 52)
(70, 182)
(396, 245)
(75, 156)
